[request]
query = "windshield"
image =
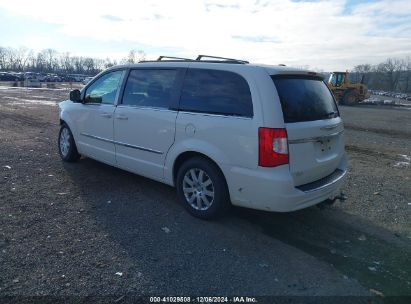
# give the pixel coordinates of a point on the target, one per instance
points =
(336, 79)
(304, 98)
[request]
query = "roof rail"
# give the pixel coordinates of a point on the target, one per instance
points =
(199, 57)
(173, 58)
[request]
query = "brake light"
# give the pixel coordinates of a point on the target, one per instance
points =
(272, 147)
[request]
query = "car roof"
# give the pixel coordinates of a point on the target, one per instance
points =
(220, 65)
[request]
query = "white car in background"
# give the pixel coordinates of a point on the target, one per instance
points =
(221, 131)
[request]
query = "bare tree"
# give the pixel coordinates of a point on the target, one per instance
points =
(51, 61)
(360, 71)
(41, 64)
(141, 55)
(3, 58)
(406, 74)
(89, 65)
(66, 63)
(10, 59)
(109, 63)
(391, 71)
(99, 65)
(134, 57)
(21, 58)
(50, 58)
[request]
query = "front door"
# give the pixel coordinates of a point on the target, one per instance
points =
(95, 122)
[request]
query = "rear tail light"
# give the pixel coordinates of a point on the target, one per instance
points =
(272, 147)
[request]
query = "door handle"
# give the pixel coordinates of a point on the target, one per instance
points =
(122, 117)
(106, 115)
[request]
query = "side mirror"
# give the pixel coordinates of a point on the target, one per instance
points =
(75, 96)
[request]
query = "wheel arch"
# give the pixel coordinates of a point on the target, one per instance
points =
(65, 119)
(184, 156)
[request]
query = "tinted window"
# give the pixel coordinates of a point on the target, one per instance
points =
(104, 89)
(304, 99)
(217, 92)
(149, 88)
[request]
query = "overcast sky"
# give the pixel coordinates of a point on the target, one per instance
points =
(328, 35)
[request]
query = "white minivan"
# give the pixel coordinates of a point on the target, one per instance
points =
(222, 131)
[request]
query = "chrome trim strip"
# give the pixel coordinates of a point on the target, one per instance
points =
(98, 137)
(122, 144)
(137, 147)
(328, 184)
(216, 115)
(122, 106)
(314, 139)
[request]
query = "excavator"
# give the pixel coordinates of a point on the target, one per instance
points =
(346, 92)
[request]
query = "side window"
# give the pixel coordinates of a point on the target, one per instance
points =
(104, 89)
(217, 92)
(150, 88)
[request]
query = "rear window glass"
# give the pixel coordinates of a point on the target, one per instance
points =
(216, 92)
(304, 98)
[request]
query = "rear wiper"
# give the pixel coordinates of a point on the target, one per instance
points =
(330, 114)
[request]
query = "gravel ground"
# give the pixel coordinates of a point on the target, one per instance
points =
(378, 142)
(88, 229)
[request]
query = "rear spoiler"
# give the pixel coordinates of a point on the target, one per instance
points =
(309, 76)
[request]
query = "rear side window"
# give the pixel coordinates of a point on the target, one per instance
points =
(216, 92)
(149, 88)
(304, 98)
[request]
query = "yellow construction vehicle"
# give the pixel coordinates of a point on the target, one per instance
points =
(346, 92)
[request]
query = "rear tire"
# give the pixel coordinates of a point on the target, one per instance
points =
(67, 146)
(202, 188)
(350, 98)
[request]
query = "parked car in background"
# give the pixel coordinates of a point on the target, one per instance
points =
(87, 80)
(222, 132)
(4, 76)
(53, 78)
(78, 77)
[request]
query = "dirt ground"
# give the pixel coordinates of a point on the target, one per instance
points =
(88, 229)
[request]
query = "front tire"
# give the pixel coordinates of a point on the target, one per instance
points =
(67, 146)
(350, 98)
(202, 188)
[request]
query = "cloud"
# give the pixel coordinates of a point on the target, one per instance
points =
(256, 38)
(112, 18)
(321, 34)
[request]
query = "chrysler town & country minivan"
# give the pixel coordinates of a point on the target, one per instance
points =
(222, 131)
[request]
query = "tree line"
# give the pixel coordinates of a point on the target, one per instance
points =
(394, 74)
(23, 59)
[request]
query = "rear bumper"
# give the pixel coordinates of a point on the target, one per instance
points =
(323, 182)
(274, 190)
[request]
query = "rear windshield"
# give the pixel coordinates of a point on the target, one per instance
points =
(304, 98)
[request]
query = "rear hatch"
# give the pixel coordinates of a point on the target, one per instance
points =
(313, 124)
